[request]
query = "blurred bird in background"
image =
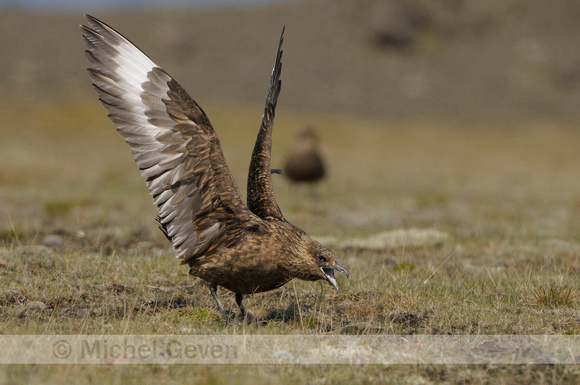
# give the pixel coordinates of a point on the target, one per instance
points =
(304, 163)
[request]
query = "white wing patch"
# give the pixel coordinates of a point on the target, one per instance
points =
(134, 90)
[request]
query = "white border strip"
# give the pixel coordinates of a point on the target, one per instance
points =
(289, 349)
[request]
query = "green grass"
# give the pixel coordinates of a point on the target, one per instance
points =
(503, 201)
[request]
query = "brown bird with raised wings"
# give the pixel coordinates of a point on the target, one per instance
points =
(245, 249)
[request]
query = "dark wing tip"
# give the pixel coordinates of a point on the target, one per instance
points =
(261, 199)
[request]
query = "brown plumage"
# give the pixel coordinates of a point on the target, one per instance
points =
(245, 249)
(304, 164)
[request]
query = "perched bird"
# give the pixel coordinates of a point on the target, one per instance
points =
(244, 248)
(304, 164)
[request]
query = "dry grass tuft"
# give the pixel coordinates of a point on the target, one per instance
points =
(553, 296)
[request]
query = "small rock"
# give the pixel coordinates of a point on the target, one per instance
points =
(37, 305)
(52, 240)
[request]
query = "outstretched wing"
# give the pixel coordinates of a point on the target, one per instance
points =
(261, 199)
(173, 143)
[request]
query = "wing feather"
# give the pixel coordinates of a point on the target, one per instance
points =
(173, 144)
(261, 199)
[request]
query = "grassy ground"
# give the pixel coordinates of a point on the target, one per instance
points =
(445, 228)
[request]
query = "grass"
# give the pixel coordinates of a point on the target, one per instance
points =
(554, 296)
(445, 228)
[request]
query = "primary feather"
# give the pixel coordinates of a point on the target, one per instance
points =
(173, 143)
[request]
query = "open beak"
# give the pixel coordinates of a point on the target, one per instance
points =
(329, 273)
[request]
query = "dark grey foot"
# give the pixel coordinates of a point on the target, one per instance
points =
(213, 291)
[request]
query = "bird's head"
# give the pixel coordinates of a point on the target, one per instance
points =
(318, 262)
(307, 139)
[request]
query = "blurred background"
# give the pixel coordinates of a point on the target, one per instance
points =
(390, 59)
(430, 113)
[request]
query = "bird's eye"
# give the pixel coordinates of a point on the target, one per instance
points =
(321, 257)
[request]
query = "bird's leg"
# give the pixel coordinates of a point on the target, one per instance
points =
(239, 298)
(213, 291)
